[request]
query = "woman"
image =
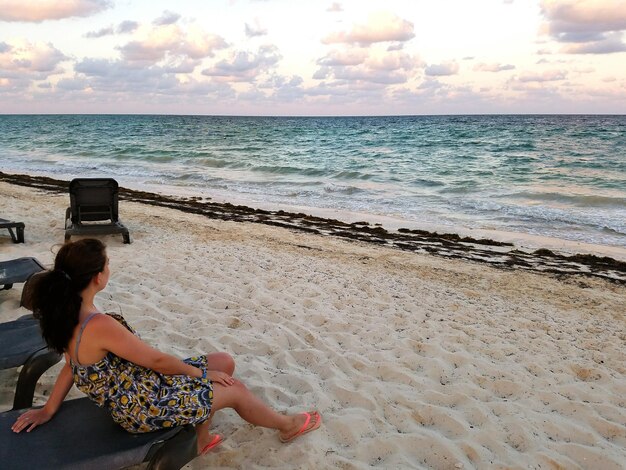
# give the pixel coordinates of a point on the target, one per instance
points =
(143, 388)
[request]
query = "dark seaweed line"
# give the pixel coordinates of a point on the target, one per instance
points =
(497, 254)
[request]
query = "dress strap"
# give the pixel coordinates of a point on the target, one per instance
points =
(80, 334)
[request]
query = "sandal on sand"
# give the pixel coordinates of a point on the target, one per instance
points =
(306, 427)
(216, 441)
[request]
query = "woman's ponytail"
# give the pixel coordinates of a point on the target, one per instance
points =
(56, 304)
(56, 299)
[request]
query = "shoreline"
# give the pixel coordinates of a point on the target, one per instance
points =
(503, 255)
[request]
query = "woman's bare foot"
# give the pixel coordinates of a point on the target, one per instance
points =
(301, 424)
(205, 441)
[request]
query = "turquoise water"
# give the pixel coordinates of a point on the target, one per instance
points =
(559, 176)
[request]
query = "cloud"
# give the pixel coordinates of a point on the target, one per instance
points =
(253, 30)
(344, 58)
(395, 47)
(37, 11)
(34, 61)
(335, 7)
(547, 76)
(593, 24)
(364, 74)
(245, 65)
(380, 27)
(171, 40)
(442, 70)
(72, 84)
(100, 33)
(119, 76)
(168, 17)
(367, 66)
(280, 81)
(608, 44)
(125, 27)
(482, 67)
(568, 16)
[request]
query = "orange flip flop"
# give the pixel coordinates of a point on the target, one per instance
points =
(216, 441)
(305, 427)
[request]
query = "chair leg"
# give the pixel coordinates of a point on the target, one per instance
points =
(20, 234)
(176, 452)
(126, 236)
(67, 237)
(36, 365)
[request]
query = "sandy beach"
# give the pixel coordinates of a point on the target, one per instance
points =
(414, 360)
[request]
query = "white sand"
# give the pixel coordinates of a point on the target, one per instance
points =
(413, 361)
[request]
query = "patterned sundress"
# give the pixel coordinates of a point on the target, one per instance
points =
(140, 399)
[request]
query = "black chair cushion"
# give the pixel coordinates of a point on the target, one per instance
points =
(19, 339)
(80, 436)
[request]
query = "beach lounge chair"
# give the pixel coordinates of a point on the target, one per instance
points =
(83, 436)
(21, 344)
(18, 270)
(18, 235)
(93, 201)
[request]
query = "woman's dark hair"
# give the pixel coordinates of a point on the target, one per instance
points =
(55, 298)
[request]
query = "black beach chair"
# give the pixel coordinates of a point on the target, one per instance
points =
(18, 270)
(18, 235)
(21, 344)
(83, 436)
(94, 200)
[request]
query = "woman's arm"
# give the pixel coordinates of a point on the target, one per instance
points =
(109, 335)
(34, 417)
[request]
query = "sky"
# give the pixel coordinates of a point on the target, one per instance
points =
(313, 57)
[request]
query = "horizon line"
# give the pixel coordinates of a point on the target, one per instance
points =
(311, 115)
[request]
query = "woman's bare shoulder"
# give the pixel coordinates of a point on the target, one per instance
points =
(104, 321)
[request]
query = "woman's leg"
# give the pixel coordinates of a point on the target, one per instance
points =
(203, 437)
(253, 410)
(224, 363)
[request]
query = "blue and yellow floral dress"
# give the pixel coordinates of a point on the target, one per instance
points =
(140, 399)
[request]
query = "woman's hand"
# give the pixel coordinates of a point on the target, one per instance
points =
(31, 419)
(219, 377)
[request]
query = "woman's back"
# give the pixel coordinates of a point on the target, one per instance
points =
(82, 348)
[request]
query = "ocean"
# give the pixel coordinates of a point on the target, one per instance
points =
(555, 176)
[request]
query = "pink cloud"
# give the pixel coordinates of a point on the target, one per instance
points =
(40, 10)
(171, 40)
(367, 66)
(22, 58)
(547, 76)
(607, 44)
(568, 16)
(168, 17)
(342, 58)
(244, 65)
(442, 70)
(593, 26)
(380, 27)
(493, 67)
